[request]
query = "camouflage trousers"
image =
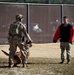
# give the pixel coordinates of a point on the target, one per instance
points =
(65, 46)
(14, 43)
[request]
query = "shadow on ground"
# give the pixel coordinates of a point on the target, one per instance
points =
(38, 66)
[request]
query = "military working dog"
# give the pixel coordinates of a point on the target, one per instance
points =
(18, 55)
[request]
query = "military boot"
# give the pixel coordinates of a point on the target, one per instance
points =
(62, 62)
(68, 61)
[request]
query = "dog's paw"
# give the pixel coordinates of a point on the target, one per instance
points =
(25, 65)
(10, 66)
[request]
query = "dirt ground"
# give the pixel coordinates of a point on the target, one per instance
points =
(44, 60)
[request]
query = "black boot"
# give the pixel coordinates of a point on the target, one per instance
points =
(68, 61)
(62, 62)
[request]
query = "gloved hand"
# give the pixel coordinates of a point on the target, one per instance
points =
(29, 42)
(54, 41)
(70, 42)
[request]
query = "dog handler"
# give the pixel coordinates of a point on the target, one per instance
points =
(16, 30)
(65, 33)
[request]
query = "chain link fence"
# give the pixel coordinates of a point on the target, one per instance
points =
(41, 20)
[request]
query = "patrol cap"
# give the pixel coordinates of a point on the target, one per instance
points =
(19, 16)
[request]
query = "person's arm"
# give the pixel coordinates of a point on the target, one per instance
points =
(26, 34)
(56, 35)
(9, 33)
(71, 35)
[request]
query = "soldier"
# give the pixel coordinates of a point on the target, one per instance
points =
(15, 38)
(65, 33)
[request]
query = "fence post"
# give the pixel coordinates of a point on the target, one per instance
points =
(28, 18)
(62, 13)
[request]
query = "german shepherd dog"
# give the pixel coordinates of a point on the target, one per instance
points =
(18, 55)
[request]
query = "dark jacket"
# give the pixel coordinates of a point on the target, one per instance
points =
(65, 33)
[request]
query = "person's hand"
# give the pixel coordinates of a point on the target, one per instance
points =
(70, 42)
(29, 41)
(54, 41)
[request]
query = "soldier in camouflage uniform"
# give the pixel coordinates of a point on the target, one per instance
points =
(15, 38)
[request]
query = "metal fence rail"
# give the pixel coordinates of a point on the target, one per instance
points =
(41, 20)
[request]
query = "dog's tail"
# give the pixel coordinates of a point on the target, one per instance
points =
(5, 52)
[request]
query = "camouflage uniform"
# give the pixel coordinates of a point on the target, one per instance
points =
(15, 39)
(63, 46)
